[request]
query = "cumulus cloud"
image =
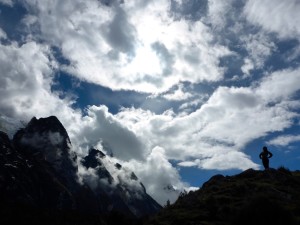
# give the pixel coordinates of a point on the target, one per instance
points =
(276, 87)
(259, 47)
(7, 2)
(217, 12)
(229, 160)
(158, 174)
(129, 46)
(25, 84)
(222, 126)
(119, 33)
(24, 80)
(118, 175)
(178, 94)
(284, 140)
(277, 16)
(100, 126)
(247, 67)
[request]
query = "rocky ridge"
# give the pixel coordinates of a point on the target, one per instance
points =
(39, 181)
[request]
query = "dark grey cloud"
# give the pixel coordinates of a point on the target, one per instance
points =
(119, 33)
(189, 9)
(167, 59)
(99, 126)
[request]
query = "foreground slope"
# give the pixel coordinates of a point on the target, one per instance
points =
(252, 197)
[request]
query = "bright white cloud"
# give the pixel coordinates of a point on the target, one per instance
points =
(221, 127)
(26, 78)
(247, 67)
(284, 140)
(25, 84)
(277, 16)
(189, 163)
(157, 174)
(99, 126)
(230, 160)
(279, 85)
(130, 46)
(178, 94)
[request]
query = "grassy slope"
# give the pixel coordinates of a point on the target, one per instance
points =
(252, 197)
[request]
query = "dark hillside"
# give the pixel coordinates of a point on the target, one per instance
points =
(251, 197)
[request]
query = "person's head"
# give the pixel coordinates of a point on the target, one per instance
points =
(265, 149)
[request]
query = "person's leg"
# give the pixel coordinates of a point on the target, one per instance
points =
(266, 163)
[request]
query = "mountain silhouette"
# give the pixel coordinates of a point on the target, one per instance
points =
(249, 198)
(40, 181)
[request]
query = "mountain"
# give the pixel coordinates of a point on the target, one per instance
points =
(251, 197)
(41, 181)
(118, 188)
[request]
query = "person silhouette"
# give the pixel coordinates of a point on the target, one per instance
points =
(264, 156)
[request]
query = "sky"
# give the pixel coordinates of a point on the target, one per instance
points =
(177, 91)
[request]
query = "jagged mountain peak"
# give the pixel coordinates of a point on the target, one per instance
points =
(39, 170)
(48, 125)
(47, 133)
(92, 159)
(48, 138)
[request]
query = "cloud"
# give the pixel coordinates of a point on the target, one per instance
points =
(26, 77)
(178, 94)
(277, 16)
(217, 12)
(119, 33)
(231, 118)
(2, 34)
(189, 163)
(247, 67)
(189, 9)
(26, 92)
(284, 140)
(221, 127)
(129, 46)
(276, 87)
(229, 160)
(7, 2)
(157, 174)
(26, 81)
(9, 125)
(88, 176)
(116, 176)
(259, 47)
(100, 126)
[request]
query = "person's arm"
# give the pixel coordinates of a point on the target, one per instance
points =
(260, 155)
(270, 155)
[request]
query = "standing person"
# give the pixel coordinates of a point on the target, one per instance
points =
(265, 155)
